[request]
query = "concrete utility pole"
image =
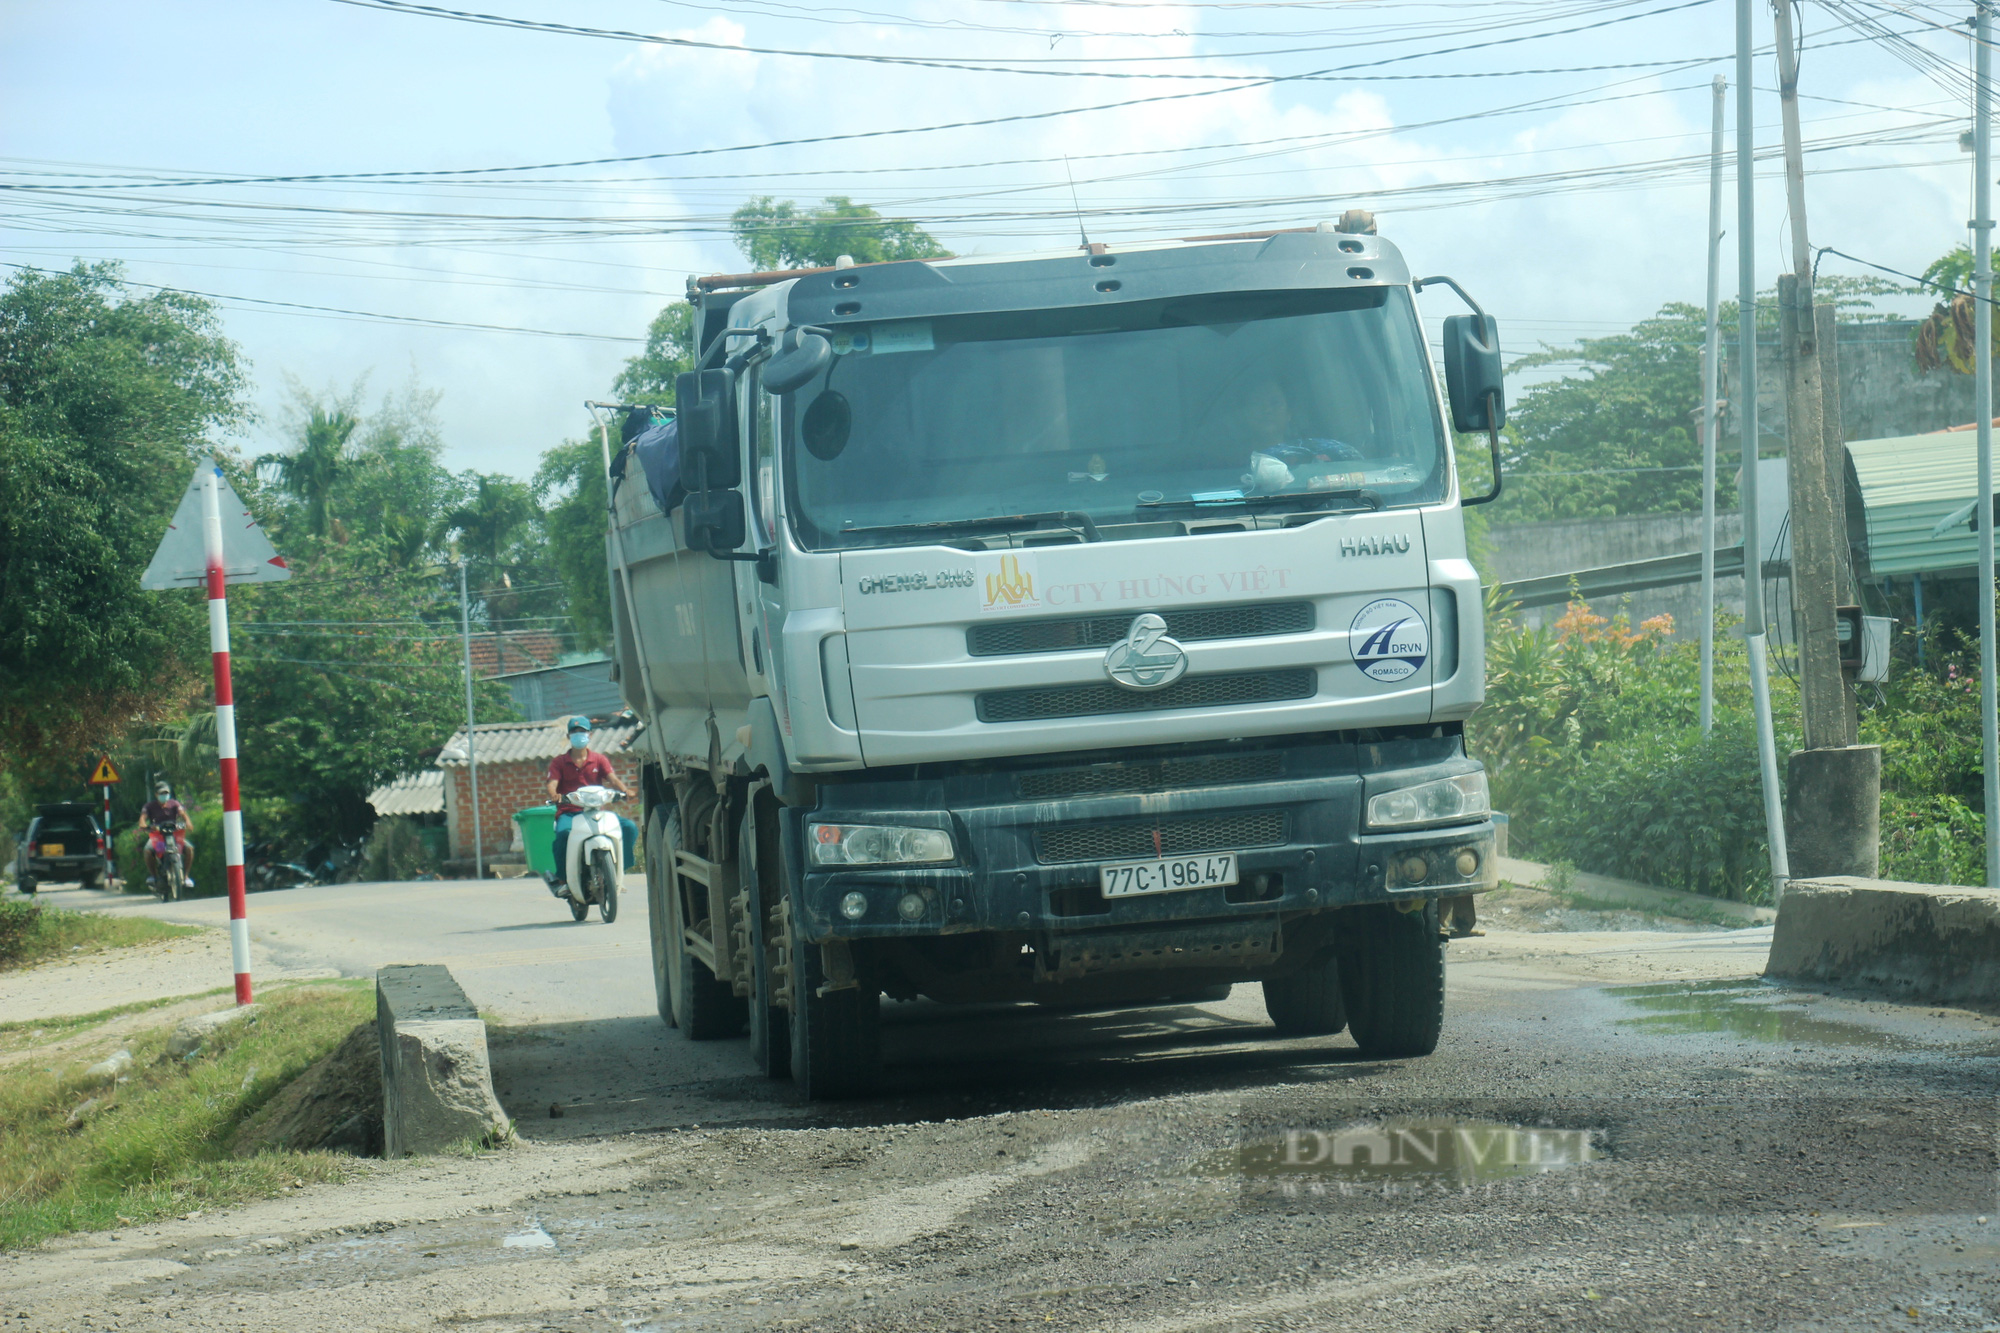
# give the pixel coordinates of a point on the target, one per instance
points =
(1753, 550)
(1711, 422)
(471, 756)
(1982, 363)
(1834, 810)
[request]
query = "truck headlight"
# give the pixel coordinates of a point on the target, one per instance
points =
(877, 845)
(1443, 802)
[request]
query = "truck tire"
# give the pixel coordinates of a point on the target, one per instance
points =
(28, 886)
(704, 1009)
(1392, 978)
(606, 869)
(836, 1037)
(656, 906)
(1307, 1003)
(770, 1030)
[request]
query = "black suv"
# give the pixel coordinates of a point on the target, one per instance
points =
(63, 843)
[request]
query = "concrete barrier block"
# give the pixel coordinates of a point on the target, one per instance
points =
(437, 1086)
(1935, 943)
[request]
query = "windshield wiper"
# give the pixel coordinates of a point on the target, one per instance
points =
(1070, 518)
(1363, 499)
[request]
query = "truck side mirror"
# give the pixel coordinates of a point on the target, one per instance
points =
(713, 522)
(801, 354)
(1472, 373)
(705, 403)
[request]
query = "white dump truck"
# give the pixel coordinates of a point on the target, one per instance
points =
(1089, 628)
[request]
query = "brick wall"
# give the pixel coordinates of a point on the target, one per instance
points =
(505, 788)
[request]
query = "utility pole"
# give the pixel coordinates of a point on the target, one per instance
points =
(1746, 416)
(1711, 423)
(471, 756)
(1982, 363)
(1834, 807)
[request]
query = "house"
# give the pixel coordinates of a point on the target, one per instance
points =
(579, 683)
(513, 760)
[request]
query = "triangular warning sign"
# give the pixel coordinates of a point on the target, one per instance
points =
(181, 561)
(106, 774)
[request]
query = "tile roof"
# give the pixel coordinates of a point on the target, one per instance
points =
(506, 742)
(419, 793)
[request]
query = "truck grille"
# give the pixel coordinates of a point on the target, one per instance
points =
(1176, 837)
(1152, 776)
(1242, 687)
(1054, 636)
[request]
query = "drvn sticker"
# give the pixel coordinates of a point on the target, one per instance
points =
(1390, 640)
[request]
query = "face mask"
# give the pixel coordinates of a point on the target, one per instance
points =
(577, 739)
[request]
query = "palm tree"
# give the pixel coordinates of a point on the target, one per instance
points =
(312, 473)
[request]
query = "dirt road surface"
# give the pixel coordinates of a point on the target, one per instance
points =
(1619, 1130)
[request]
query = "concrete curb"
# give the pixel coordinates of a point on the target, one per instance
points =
(1926, 942)
(437, 1085)
(1641, 897)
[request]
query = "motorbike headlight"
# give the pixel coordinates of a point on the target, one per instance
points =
(1447, 801)
(877, 845)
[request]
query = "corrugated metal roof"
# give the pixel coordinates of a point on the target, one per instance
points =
(1908, 483)
(503, 742)
(420, 793)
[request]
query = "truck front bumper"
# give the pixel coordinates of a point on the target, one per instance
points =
(1033, 864)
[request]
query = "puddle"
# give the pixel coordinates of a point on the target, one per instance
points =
(1457, 1152)
(1743, 1009)
(534, 1238)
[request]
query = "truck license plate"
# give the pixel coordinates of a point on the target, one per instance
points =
(1169, 876)
(53, 849)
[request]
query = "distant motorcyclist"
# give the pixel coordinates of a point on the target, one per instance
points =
(164, 817)
(581, 766)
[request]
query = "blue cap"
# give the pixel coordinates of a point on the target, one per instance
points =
(579, 723)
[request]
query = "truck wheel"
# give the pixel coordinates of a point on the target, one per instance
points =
(1307, 1003)
(770, 1031)
(28, 886)
(93, 881)
(607, 885)
(836, 1037)
(656, 906)
(704, 1009)
(1392, 977)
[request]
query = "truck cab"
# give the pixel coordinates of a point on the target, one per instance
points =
(1089, 627)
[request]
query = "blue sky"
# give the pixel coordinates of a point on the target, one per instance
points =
(1473, 175)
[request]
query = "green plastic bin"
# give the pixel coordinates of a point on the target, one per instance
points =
(538, 835)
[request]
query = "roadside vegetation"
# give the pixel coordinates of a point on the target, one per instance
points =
(33, 933)
(1592, 739)
(119, 1143)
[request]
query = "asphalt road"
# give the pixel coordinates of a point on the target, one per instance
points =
(1618, 1131)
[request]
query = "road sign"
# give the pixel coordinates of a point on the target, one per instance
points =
(106, 774)
(182, 560)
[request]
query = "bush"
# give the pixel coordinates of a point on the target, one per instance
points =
(17, 929)
(1938, 840)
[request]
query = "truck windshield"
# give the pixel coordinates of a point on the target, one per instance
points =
(1125, 414)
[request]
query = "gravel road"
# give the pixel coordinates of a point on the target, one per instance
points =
(1620, 1130)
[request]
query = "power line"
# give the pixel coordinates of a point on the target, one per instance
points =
(354, 314)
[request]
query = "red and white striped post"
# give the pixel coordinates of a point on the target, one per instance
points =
(225, 732)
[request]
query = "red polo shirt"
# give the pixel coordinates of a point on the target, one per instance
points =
(568, 774)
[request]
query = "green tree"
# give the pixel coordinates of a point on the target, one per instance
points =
(346, 676)
(313, 473)
(649, 376)
(107, 398)
(570, 485)
(778, 234)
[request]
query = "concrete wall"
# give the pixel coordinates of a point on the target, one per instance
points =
(1530, 550)
(1881, 393)
(503, 789)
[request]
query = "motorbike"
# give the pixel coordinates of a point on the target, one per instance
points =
(264, 868)
(171, 876)
(596, 855)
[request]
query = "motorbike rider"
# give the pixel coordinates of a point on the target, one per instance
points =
(581, 766)
(162, 817)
